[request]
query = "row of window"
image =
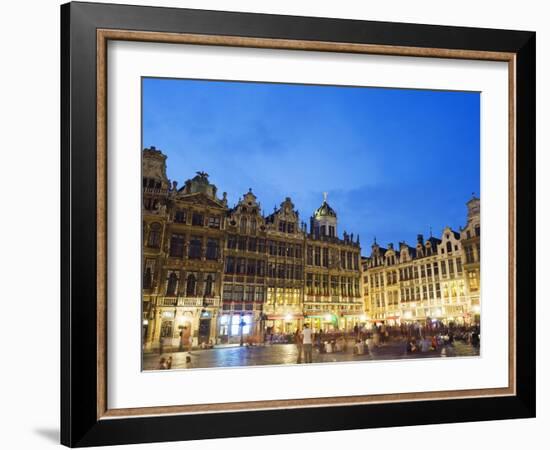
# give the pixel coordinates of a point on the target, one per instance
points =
(274, 248)
(191, 285)
(239, 293)
(418, 293)
(195, 247)
(197, 219)
(324, 230)
(317, 284)
(283, 296)
(416, 272)
(287, 227)
(323, 256)
(248, 226)
(391, 260)
(247, 266)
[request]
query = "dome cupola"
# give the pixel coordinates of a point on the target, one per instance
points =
(325, 210)
(324, 220)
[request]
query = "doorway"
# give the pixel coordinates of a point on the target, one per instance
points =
(204, 330)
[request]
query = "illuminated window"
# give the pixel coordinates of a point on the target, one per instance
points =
(474, 282)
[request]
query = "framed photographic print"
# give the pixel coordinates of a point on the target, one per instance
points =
(273, 224)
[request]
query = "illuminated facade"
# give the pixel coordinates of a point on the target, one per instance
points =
(183, 239)
(333, 274)
(226, 275)
(436, 280)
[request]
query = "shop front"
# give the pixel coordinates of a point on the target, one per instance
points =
(236, 328)
(348, 321)
(326, 322)
(283, 324)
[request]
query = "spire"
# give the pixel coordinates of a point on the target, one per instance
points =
(325, 195)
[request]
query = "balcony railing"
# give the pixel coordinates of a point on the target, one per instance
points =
(158, 191)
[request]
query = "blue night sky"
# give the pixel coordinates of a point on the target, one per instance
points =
(394, 162)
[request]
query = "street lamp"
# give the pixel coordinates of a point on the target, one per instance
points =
(242, 323)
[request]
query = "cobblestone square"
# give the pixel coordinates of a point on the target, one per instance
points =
(236, 356)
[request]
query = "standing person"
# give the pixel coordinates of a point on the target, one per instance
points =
(307, 343)
(298, 340)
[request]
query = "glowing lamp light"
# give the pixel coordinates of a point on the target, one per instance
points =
(363, 317)
(288, 317)
(475, 308)
(328, 317)
(145, 322)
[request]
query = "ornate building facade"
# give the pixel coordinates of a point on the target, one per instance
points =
(333, 274)
(225, 275)
(436, 280)
(183, 238)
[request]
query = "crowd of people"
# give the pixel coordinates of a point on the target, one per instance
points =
(416, 337)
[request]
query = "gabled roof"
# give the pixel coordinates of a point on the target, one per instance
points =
(200, 198)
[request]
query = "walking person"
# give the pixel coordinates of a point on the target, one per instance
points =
(307, 344)
(298, 340)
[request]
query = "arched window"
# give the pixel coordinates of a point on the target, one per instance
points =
(449, 247)
(191, 284)
(172, 284)
(243, 225)
(208, 285)
(154, 235)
